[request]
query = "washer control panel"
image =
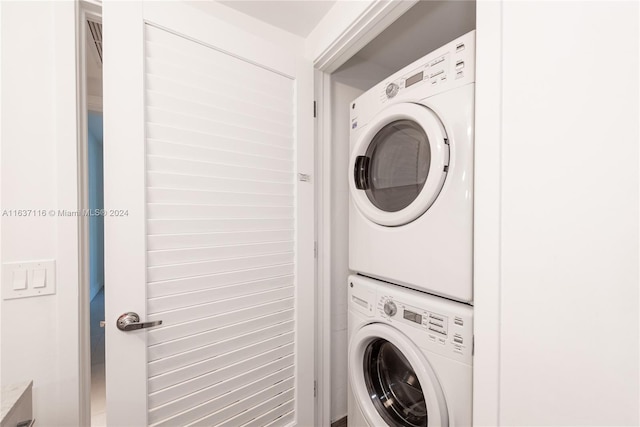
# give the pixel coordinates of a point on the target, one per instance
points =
(442, 329)
(433, 323)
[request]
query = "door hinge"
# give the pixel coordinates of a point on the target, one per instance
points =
(315, 388)
(315, 113)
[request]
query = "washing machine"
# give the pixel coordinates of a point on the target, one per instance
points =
(411, 175)
(410, 357)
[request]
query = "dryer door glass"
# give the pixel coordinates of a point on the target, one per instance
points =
(399, 158)
(393, 385)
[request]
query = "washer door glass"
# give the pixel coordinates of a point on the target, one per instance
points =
(393, 385)
(399, 159)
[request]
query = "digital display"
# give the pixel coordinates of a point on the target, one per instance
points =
(414, 317)
(414, 79)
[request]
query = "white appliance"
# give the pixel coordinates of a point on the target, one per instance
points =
(411, 177)
(410, 357)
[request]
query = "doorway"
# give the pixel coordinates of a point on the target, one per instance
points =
(96, 268)
(94, 207)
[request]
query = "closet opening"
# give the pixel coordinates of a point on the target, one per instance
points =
(92, 225)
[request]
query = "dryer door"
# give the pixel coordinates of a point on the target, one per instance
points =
(392, 381)
(399, 164)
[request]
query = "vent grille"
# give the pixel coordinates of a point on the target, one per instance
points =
(95, 28)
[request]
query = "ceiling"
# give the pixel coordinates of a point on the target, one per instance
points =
(426, 27)
(295, 16)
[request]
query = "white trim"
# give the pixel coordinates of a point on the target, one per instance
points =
(323, 239)
(1, 259)
(377, 16)
(487, 214)
(67, 230)
(85, 103)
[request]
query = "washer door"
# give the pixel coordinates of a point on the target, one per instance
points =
(399, 164)
(392, 381)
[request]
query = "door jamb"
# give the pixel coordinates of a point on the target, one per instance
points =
(86, 9)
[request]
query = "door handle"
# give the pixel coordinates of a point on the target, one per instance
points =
(361, 172)
(131, 321)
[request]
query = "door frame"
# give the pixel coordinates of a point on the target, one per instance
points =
(375, 18)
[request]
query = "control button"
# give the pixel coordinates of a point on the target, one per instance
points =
(459, 47)
(390, 308)
(432, 338)
(458, 321)
(39, 278)
(442, 341)
(392, 90)
(437, 61)
(437, 73)
(19, 281)
(459, 74)
(459, 65)
(431, 328)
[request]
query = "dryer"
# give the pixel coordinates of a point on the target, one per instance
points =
(411, 175)
(410, 357)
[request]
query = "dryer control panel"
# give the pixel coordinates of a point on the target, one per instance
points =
(446, 68)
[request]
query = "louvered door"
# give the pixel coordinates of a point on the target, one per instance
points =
(208, 228)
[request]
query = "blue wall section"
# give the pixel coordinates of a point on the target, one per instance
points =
(96, 201)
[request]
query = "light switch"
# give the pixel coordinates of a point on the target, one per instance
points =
(39, 278)
(19, 279)
(24, 279)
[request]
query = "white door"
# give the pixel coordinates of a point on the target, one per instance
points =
(208, 228)
(399, 164)
(392, 381)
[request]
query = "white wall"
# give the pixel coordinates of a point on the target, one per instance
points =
(569, 246)
(38, 136)
(341, 95)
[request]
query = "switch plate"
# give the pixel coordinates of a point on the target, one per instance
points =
(28, 279)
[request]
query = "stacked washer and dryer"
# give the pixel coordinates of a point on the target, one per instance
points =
(411, 244)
